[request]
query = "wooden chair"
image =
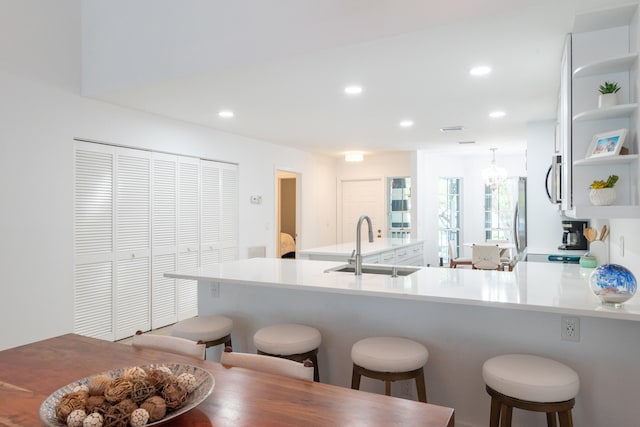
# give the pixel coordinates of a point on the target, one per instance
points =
(169, 344)
(270, 364)
(453, 261)
(486, 257)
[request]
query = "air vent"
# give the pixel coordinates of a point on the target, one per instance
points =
(466, 142)
(451, 128)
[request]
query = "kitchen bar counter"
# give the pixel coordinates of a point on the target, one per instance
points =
(462, 316)
(557, 288)
(381, 250)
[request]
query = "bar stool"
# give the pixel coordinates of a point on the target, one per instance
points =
(531, 383)
(390, 359)
(290, 341)
(211, 330)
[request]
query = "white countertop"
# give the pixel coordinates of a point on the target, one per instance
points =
(543, 287)
(375, 247)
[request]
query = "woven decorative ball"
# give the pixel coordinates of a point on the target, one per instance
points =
(128, 406)
(139, 417)
(69, 403)
(134, 374)
(174, 395)
(116, 417)
(76, 417)
(156, 407)
(118, 390)
(187, 381)
(93, 420)
(97, 404)
(158, 377)
(98, 384)
(142, 390)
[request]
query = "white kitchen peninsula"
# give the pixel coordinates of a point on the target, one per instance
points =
(404, 251)
(463, 317)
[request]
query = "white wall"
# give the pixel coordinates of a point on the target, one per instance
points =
(432, 166)
(41, 112)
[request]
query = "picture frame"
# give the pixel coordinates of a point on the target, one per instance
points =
(606, 144)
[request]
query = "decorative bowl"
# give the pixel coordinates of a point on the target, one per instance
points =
(204, 386)
(613, 283)
(602, 196)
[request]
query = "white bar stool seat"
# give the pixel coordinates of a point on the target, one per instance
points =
(290, 341)
(390, 359)
(531, 383)
(211, 330)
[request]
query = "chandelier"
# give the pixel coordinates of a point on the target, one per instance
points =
(493, 175)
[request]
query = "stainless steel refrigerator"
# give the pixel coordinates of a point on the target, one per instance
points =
(520, 216)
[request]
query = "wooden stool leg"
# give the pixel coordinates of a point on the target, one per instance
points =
(566, 419)
(355, 379)
(507, 411)
(494, 419)
(551, 419)
(420, 387)
(316, 372)
(387, 388)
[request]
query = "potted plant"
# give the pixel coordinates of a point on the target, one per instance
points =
(608, 97)
(602, 192)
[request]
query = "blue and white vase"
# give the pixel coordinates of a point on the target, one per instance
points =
(613, 284)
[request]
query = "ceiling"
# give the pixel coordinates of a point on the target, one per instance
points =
(282, 65)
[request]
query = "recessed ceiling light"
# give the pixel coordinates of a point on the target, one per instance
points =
(406, 123)
(480, 71)
(353, 90)
(497, 114)
(451, 128)
(466, 142)
(225, 114)
(353, 156)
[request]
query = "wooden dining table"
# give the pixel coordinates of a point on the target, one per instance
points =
(241, 397)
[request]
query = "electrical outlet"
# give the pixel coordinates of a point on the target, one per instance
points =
(570, 328)
(215, 290)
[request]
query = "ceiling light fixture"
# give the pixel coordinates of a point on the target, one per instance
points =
(225, 114)
(497, 114)
(353, 90)
(493, 175)
(451, 128)
(406, 123)
(353, 156)
(482, 70)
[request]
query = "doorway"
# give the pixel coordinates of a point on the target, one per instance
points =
(287, 207)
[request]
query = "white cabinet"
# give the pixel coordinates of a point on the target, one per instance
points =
(138, 215)
(603, 49)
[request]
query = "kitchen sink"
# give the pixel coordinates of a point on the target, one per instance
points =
(389, 270)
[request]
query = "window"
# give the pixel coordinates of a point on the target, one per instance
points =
(498, 210)
(449, 216)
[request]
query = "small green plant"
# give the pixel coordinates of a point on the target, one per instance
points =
(609, 183)
(609, 87)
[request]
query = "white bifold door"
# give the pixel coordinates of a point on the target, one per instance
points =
(138, 215)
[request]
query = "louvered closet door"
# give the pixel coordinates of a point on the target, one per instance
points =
(229, 211)
(211, 213)
(93, 240)
(133, 242)
(188, 233)
(164, 239)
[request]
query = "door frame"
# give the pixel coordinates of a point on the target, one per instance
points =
(280, 174)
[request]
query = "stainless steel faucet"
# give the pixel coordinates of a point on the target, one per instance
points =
(358, 269)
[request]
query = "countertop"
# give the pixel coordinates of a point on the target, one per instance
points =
(375, 247)
(542, 287)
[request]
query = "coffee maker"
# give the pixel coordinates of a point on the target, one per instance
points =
(573, 235)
